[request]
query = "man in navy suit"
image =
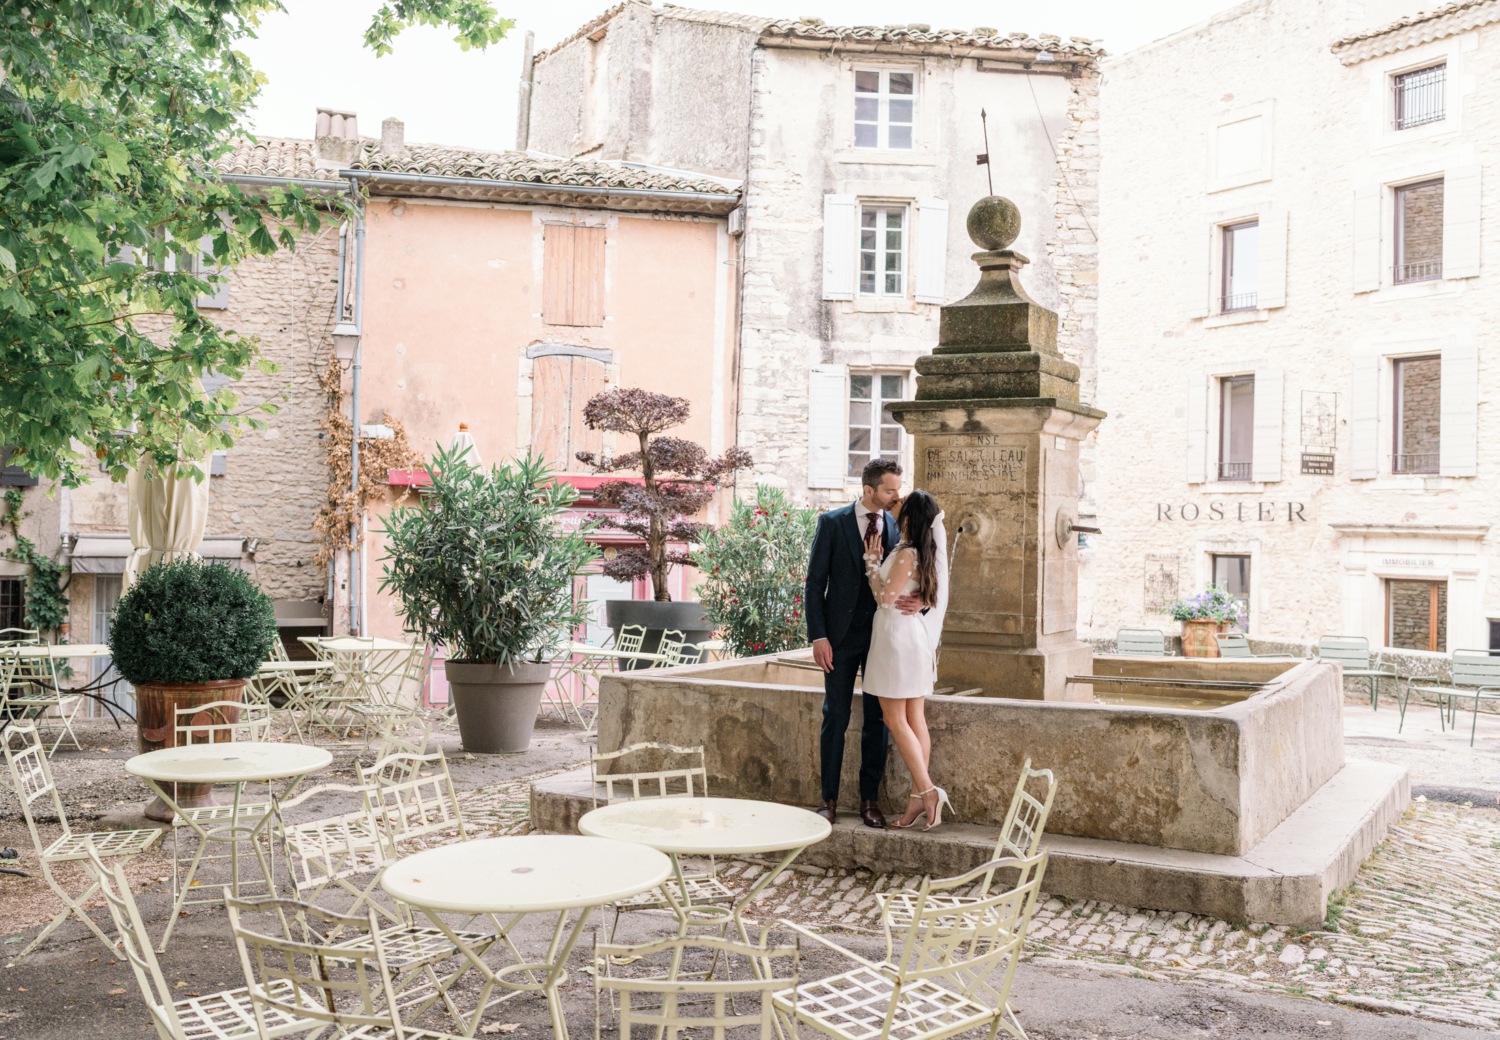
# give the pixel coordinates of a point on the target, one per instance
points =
(840, 614)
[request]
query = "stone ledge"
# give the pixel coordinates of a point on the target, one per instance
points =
(1286, 879)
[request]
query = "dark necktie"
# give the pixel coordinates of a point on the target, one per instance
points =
(870, 530)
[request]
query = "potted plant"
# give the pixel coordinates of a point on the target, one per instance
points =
(754, 569)
(1204, 616)
(485, 568)
(184, 635)
(677, 479)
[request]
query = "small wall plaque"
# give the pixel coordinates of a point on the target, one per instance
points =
(1316, 464)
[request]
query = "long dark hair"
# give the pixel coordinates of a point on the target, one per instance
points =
(918, 513)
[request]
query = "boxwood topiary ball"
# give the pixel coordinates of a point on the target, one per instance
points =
(187, 622)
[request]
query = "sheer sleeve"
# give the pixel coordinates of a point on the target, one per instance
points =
(904, 566)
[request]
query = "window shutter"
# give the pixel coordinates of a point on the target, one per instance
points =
(1197, 430)
(932, 250)
(1270, 271)
(219, 298)
(551, 380)
(1460, 224)
(588, 381)
(1458, 430)
(1265, 449)
(1367, 238)
(1195, 292)
(1364, 418)
(840, 216)
(557, 274)
(588, 276)
(827, 434)
(13, 475)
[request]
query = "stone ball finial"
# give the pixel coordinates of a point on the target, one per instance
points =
(994, 223)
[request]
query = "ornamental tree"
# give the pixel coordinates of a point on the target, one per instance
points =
(111, 115)
(677, 480)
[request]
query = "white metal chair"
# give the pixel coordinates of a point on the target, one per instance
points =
(29, 690)
(1145, 642)
(332, 851)
(31, 779)
(654, 971)
(225, 1015)
(396, 692)
(414, 801)
(1353, 654)
(1475, 673)
(630, 638)
(20, 637)
(1020, 839)
(940, 982)
(678, 652)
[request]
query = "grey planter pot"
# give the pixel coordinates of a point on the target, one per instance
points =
(684, 616)
(496, 705)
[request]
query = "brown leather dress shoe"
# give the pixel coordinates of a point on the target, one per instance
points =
(829, 809)
(870, 812)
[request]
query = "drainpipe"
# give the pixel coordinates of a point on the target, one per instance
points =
(338, 316)
(356, 525)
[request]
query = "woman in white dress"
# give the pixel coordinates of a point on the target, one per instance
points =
(902, 666)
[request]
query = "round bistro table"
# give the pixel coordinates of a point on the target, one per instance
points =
(520, 876)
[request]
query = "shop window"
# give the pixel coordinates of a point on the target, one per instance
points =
(1418, 414)
(573, 275)
(1236, 427)
(1233, 573)
(1416, 615)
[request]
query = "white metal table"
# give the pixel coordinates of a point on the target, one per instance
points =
(520, 876)
(237, 763)
(57, 651)
(710, 827)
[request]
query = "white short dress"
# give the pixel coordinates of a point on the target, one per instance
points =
(903, 659)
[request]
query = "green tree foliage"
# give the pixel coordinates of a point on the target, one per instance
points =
(111, 112)
(755, 568)
(46, 604)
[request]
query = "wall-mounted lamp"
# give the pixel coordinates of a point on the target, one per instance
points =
(251, 545)
(345, 341)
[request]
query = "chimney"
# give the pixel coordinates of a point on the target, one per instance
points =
(336, 141)
(393, 138)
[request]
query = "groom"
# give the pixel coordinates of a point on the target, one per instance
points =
(840, 614)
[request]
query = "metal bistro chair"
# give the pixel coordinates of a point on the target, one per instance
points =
(1234, 644)
(398, 693)
(1353, 654)
(20, 637)
(953, 972)
(1146, 642)
(678, 652)
(28, 686)
(630, 638)
(31, 779)
(1476, 673)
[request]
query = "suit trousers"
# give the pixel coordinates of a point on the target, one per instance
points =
(838, 699)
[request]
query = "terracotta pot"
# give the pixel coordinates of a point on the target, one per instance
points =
(1198, 638)
(496, 706)
(156, 707)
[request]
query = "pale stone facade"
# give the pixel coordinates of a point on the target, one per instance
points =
(1288, 114)
(645, 85)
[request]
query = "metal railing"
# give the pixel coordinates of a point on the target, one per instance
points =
(1421, 271)
(1420, 97)
(1237, 302)
(1234, 470)
(1414, 462)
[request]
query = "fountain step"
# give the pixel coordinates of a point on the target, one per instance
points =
(1286, 879)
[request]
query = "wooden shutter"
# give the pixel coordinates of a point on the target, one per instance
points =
(1195, 288)
(1458, 430)
(573, 275)
(932, 250)
(1461, 223)
(1265, 448)
(1197, 429)
(561, 385)
(1270, 272)
(1367, 238)
(1364, 417)
(840, 246)
(827, 433)
(588, 381)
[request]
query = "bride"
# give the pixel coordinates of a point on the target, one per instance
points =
(902, 665)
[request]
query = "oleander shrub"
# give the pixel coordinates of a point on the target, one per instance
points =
(187, 622)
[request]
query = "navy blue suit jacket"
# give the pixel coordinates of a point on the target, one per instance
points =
(836, 580)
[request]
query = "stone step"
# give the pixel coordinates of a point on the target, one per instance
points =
(1286, 879)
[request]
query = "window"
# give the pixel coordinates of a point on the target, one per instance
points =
(573, 275)
(1238, 152)
(561, 384)
(12, 603)
(1419, 232)
(884, 109)
(1418, 414)
(1236, 427)
(1233, 573)
(882, 251)
(1419, 96)
(1494, 635)
(873, 431)
(1416, 615)
(12, 473)
(102, 672)
(1241, 262)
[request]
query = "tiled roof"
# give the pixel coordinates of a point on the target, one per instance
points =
(272, 157)
(1413, 30)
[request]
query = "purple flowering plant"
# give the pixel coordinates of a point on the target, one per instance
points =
(1212, 604)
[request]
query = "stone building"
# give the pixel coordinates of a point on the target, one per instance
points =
(857, 151)
(1297, 326)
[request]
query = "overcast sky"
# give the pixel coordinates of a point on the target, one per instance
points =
(313, 55)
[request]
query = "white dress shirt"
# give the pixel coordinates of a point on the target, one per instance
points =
(862, 515)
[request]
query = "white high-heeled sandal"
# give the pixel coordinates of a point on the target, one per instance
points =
(937, 819)
(903, 826)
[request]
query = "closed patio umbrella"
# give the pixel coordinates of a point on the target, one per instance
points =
(463, 442)
(167, 513)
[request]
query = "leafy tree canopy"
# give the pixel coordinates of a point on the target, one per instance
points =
(111, 113)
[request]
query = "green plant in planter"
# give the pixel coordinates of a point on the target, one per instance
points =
(188, 622)
(755, 567)
(1212, 604)
(483, 566)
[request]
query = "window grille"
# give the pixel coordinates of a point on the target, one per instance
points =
(1420, 96)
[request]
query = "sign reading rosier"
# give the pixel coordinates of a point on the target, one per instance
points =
(1254, 512)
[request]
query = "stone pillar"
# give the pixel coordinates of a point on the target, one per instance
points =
(997, 426)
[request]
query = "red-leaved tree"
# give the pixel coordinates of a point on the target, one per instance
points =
(677, 479)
